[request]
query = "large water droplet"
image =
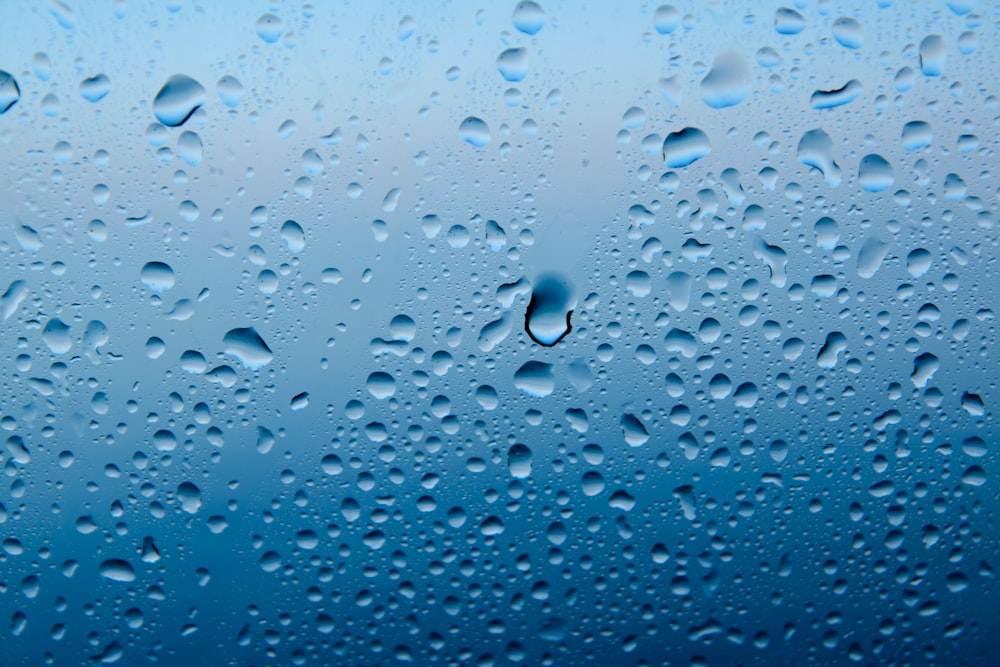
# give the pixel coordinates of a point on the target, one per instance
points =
(116, 569)
(816, 150)
(519, 461)
(157, 276)
(474, 131)
(248, 347)
(875, 173)
(847, 31)
(528, 17)
(269, 28)
(837, 97)
(178, 99)
(787, 21)
(10, 92)
(381, 385)
(684, 147)
(57, 337)
(727, 83)
(547, 319)
(95, 88)
(933, 55)
(535, 379)
(634, 430)
(666, 19)
(230, 90)
(513, 64)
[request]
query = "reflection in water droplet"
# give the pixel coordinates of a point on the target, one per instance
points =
(177, 100)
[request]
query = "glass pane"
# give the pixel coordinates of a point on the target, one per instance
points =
(539, 333)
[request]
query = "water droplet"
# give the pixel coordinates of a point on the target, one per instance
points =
(407, 26)
(381, 385)
(816, 150)
(95, 88)
(727, 83)
(12, 297)
(474, 131)
(56, 336)
(836, 97)
(847, 31)
(230, 90)
(974, 476)
(924, 367)
(248, 347)
(933, 55)
(787, 21)
(189, 496)
(519, 461)
(513, 64)
(535, 378)
(870, 256)
(684, 147)
(875, 173)
(634, 430)
(269, 28)
(550, 309)
(157, 276)
(177, 100)
(10, 92)
(293, 236)
(116, 569)
(666, 19)
(528, 17)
